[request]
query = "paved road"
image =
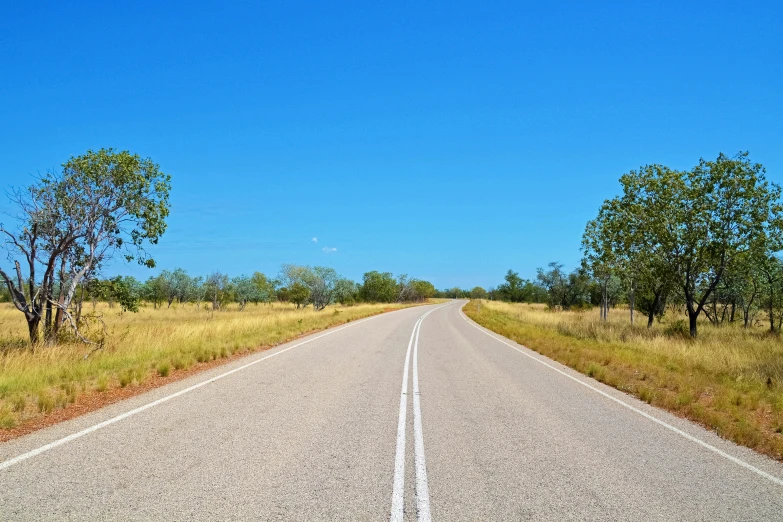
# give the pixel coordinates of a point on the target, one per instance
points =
(489, 431)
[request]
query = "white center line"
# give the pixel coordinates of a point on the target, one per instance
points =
(398, 497)
(422, 490)
(656, 420)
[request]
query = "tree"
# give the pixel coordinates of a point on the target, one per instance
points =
(5, 295)
(565, 290)
(155, 290)
(379, 287)
(617, 244)
(345, 292)
(125, 290)
(283, 294)
(299, 294)
(245, 290)
(72, 220)
(747, 274)
(708, 218)
(181, 286)
(478, 293)
(321, 282)
(192, 289)
(686, 229)
(168, 286)
(405, 290)
(422, 290)
(217, 288)
(511, 290)
(265, 288)
(772, 272)
(518, 290)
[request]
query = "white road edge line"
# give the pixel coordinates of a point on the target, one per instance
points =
(33, 453)
(398, 491)
(634, 409)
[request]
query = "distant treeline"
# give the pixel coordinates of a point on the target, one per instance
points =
(301, 285)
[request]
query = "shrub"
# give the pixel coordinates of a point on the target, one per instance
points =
(678, 328)
(164, 368)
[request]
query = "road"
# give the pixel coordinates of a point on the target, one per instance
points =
(336, 427)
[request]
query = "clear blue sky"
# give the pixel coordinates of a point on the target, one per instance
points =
(449, 142)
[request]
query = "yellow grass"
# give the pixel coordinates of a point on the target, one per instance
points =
(140, 345)
(728, 379)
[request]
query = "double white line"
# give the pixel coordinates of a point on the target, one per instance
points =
(422, 489)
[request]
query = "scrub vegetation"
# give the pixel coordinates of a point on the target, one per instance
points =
(696, 254)
(729, 378)
(140, 346)
(68, 329)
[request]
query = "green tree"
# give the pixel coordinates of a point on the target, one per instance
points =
(686, 229)
(217, 288)
(345, 292)
(264, 286)
(619, 244)
(564, 290)
(511, 290)
(244, 290)
(478, 293)
(101, 203)
(299, 294)
(155, 290)
(379, 287)
(422, 290)
(125, 290)
(321, 281)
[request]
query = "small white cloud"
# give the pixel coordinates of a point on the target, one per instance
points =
(329, 249)
(314, 240)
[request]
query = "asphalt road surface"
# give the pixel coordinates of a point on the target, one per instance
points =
(395, 417)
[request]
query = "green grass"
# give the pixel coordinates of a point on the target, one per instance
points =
(729, 379)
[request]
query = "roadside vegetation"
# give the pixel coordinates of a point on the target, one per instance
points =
(729, 379)
(140, 346)
(678, 299)
(68, 329)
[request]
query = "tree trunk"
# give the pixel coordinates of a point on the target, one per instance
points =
(79, 303)
(733, 309)
(692, 316)
(632, 301)
(58, 315)
(771, 320)
(32, 327)
(771, 308)
(47, 317)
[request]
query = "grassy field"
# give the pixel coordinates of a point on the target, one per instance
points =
(153, 342)
(728, 379)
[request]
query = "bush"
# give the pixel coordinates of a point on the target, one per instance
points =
(678, 328)
(164, 368)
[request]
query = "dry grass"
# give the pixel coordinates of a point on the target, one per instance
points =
(728, 379)
(139, 346)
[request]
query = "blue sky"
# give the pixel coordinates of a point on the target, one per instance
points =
(449, 142)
